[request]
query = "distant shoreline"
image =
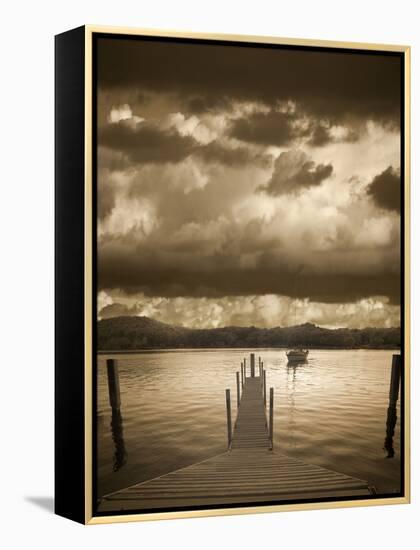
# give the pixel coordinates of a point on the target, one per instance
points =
(136, 334)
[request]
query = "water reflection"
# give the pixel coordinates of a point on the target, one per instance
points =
(120, 454)
(391, 420)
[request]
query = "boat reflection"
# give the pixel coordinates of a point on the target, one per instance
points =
(296, 362)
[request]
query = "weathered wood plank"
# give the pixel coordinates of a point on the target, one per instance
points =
(245, 476)
(250, 429)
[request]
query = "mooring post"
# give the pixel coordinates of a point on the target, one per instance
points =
(271, 416)
(391, 418)
(229, 418)
(252, 365)
(265, 388)
(244, 367)
(242, 374)
(238, 391)
(113, 384)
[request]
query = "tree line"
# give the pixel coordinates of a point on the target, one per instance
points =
(132, 333)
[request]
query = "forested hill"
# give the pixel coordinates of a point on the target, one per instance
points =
(132, 333)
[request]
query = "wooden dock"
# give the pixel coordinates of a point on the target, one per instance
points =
(250, 471)
(251, 431)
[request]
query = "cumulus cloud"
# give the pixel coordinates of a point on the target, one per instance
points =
(231, 155)
(123, 112)
(324, 132)
(294, 171)
(131, 140)
(287, 126)
(267, 310)
(273, 128)
(385, 189)
(145, 142)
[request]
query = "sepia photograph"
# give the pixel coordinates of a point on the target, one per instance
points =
(249, 274)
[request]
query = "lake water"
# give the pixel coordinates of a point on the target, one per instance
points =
(331, 412)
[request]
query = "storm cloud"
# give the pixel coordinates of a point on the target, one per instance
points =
(145, 143)
(328, 83)
(236, 183)
(265, 129)
(293, 171)
(385, 189)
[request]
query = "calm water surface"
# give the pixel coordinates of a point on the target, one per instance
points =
(330, 412)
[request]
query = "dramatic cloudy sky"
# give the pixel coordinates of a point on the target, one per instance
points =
(248, 186)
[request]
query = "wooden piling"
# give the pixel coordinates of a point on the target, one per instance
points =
(244, 367)
(113, 384)
(242, 375)
(252, 365)
(271, 417)
(238, 391)
(229, 418)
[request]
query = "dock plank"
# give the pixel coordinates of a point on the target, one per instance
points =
(250, 429)
(263, 475)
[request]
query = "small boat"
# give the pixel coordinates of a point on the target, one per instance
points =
(297, 355)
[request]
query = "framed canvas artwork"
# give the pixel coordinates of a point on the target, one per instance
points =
(232, 276)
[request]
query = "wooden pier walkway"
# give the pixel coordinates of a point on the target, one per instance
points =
(251, 430)
(249, 472)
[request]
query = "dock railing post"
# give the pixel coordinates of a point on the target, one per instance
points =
(252, 365)
(238, 391)
(265, 388)
(229, 418)
(113, 384)
(271, 416)
(242, 374)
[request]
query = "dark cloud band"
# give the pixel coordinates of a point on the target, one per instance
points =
(332, 84)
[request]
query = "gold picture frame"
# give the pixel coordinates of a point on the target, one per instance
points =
(80, 505)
